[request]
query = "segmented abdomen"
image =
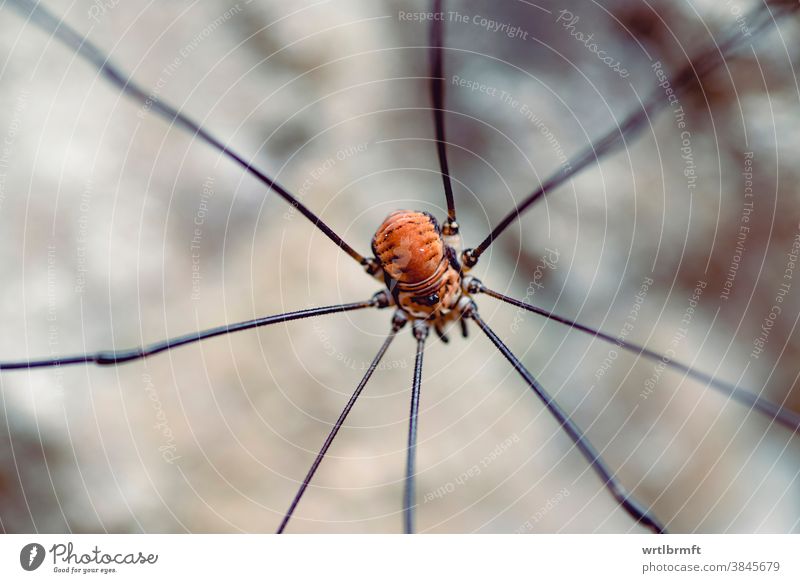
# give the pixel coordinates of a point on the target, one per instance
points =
(413, 255)
(409, 246)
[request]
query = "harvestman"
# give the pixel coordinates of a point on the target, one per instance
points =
(425, 272)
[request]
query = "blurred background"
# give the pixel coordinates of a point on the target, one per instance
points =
(119, 229)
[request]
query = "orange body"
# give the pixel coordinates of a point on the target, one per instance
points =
(419, 269)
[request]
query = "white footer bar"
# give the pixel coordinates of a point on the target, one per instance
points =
(355, 558)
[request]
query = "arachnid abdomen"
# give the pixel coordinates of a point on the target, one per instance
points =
(419, 268)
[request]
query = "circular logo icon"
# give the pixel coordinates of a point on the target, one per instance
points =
(31, 556)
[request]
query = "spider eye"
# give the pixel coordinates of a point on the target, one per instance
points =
(430, 300)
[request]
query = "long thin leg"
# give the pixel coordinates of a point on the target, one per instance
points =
(397, 323)
(686, 77)
(114, 357)
(420, 333)
(785, 417)
(79, 44)
(634, 508)
(450, 226)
